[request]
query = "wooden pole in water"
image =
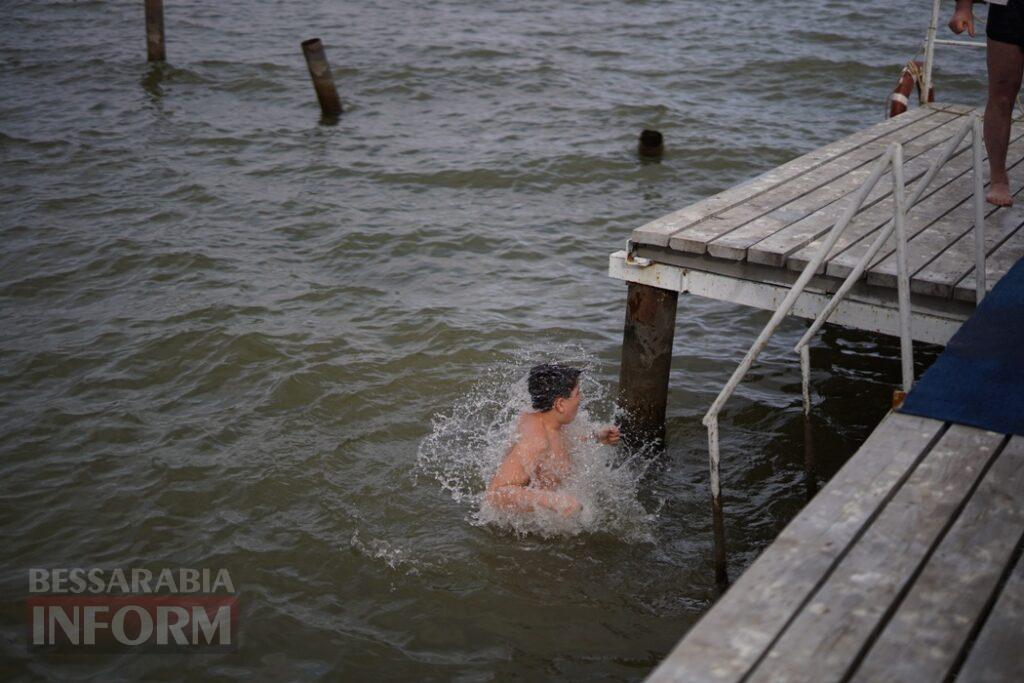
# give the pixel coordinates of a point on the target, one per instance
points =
(155, 31)
(320, 72)
(652, 144)
(646, 361)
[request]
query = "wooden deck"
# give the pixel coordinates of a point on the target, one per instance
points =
(905, 567)
(749, 243)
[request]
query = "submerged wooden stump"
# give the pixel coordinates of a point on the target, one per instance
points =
(652, 144)
(155, 51)
(323, 81)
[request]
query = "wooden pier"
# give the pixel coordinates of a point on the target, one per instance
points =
(765, 231)
(907, 565)
(748, 244)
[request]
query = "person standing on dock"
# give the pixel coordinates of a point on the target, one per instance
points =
(535, 466)
(1005, 48)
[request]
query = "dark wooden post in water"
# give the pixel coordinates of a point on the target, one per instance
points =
(652, 144)
(155, 31)
(646, 361)
(323, 81)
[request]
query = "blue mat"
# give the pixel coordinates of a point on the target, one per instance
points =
(979, 379)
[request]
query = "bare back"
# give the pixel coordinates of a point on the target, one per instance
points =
(538, 457)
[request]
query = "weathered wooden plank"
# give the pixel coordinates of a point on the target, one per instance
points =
(996, 265)
(939, 277)
(954, 107)
(927, 244)
(730, 638)
(759, 242)
(825, 639)
(997, 655)
(937, 202)
(657, 232)
(950, 187)
(694, 238)
(924, 637)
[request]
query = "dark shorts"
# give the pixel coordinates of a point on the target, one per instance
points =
(1006, 22)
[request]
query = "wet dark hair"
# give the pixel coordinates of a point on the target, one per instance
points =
(549, 382)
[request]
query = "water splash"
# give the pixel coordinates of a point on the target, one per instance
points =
(469, 441)
(394, 557)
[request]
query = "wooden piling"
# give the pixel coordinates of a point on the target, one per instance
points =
(155, 31)
(652, 144)
(323, 81)
(646, 361)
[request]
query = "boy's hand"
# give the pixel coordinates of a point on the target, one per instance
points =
(963, 18)
(609, 436)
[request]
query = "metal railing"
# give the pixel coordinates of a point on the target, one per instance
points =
(930, 41)
(892, 158)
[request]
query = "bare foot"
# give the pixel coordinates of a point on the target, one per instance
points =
(999, 194)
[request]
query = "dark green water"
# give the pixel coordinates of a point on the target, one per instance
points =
(227, 327)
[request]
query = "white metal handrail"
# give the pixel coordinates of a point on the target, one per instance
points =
(892, 158)
(973, 126)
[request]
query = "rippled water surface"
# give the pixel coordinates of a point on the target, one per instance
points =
(230, 328)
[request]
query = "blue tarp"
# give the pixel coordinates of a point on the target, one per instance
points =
(979, 379)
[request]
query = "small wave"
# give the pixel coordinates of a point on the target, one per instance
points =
(482, 53)
(480, 178)
(254, 84)
(397, 559)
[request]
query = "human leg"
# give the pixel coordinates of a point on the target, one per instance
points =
(1005, 66)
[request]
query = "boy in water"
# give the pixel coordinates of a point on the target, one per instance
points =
(533, 469)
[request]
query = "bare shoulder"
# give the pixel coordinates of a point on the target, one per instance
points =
(527, 444)
(530, 427)
(531, 438)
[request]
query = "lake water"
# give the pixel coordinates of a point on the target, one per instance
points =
(235, 336)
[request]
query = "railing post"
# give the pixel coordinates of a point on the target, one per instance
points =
(717, 514)
(805, 378)
(929, 52)
(809, 458)
(979, 214)
(902, 274)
